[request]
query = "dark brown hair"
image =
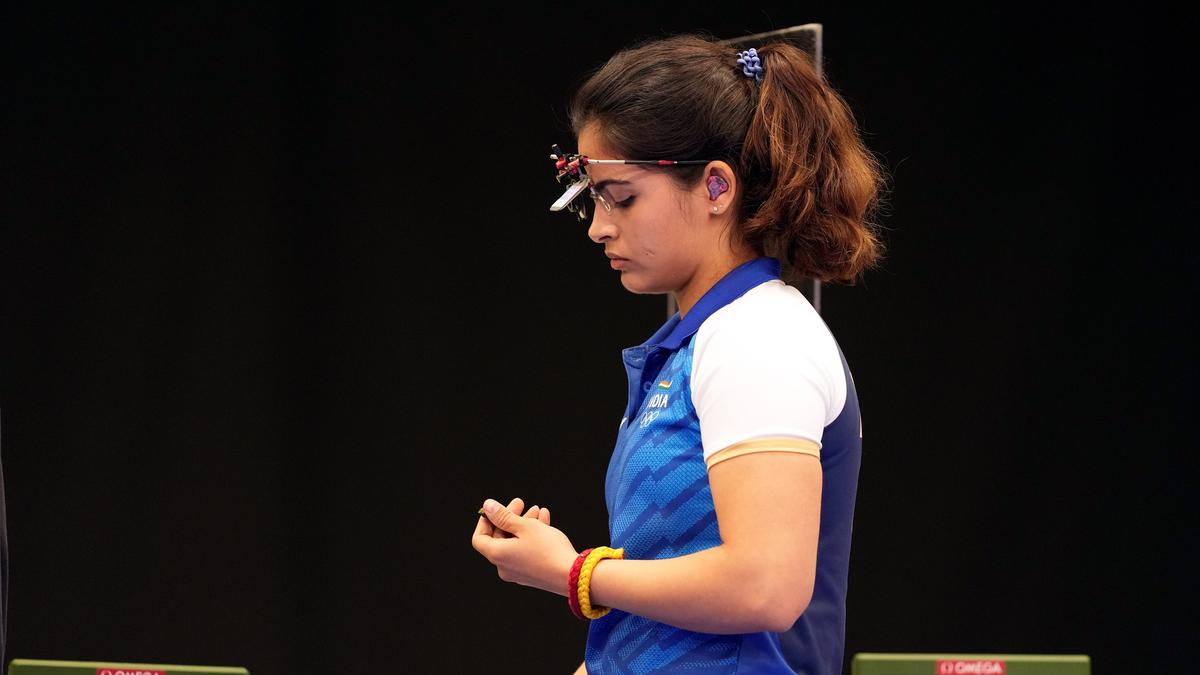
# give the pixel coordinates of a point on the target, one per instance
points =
(809, 186)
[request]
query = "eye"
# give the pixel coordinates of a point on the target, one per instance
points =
(625, 204)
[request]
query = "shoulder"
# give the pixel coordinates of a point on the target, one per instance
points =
(772, 315)
(770, 341)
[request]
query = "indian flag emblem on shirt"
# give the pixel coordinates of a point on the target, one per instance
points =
(664, 384)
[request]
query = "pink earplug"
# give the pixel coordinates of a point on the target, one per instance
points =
(716, 186)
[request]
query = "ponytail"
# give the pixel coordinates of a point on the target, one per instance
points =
(812, 186)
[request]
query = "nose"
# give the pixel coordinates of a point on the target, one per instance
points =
(602, 229)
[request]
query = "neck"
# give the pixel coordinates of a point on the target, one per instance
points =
(706, 277)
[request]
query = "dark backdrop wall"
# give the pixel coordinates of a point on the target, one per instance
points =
(283, 304)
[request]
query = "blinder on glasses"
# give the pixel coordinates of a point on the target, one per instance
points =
(572, 172)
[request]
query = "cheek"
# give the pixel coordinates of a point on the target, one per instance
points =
(660, 234)
(666, 244)
(657, 241)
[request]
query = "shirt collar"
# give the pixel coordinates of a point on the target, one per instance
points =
(732, 286)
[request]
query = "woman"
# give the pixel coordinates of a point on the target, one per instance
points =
(731, 489)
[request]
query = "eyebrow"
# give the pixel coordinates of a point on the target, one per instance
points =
(605, 183)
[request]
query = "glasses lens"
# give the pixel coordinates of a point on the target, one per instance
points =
(598, 195)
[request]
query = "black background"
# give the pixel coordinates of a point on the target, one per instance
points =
(283, 304)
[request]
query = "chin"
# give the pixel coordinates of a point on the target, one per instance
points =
(634, 284)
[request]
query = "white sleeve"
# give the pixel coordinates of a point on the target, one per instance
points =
(765, 367)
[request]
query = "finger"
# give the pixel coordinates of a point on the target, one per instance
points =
(484, 526)
(516, 506)
(533, 512)
(481, 539)
(544, 515)
(504, 520)
(480, 542)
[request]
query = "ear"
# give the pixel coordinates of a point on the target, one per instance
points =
(720, 188)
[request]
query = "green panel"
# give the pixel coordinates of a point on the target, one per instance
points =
(1014, 664)
(38, 667)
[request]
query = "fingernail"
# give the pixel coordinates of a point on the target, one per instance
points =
(490, 506)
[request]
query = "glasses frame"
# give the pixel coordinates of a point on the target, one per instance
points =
(572, 169)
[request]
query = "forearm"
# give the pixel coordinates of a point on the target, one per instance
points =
(710, 591)
(581, 670)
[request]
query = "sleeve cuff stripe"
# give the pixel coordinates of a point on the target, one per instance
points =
(797, 445)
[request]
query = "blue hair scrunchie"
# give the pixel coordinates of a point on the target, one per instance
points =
(751, 64)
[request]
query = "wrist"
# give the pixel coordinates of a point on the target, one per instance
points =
(563, 573)
(582, 586)
(573, 584)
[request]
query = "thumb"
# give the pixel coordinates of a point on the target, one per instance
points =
(502, 517)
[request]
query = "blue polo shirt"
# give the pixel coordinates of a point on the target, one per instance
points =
(751, 359)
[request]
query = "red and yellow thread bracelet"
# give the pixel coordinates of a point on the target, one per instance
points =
(583, 586)
(573, 584)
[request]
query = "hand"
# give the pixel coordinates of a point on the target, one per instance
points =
(525, 550)
(516, 505)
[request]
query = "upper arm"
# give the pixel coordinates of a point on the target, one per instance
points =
(765, 384)
(769, 513)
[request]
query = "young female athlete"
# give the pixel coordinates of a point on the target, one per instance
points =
(731, 489)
